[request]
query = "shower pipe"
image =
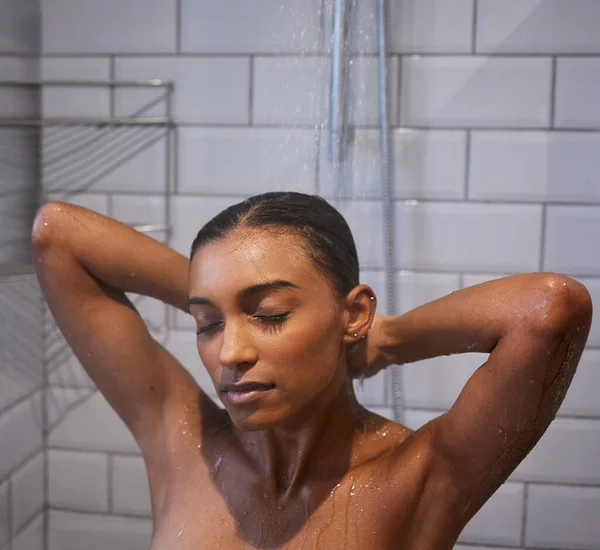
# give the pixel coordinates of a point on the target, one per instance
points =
(337, 110)
(386, 177)
(337, 140)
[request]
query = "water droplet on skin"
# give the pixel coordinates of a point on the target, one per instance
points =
(180, 533)
(500, 430)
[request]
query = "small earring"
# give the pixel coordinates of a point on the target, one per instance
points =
(355, 335)
(372, 298)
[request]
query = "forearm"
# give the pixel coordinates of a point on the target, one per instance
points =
(113, 253)
(475, 319)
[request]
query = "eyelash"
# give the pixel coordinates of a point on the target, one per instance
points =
(272, 324)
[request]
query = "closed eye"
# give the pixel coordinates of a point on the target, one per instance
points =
(204, 329)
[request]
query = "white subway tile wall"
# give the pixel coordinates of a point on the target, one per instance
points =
(494, 139)
(22, 495)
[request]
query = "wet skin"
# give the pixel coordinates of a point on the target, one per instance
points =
(293, 461)
(298, 464)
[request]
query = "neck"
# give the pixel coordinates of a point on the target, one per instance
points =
(314, 443)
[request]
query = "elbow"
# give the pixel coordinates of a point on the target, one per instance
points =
(562, 305)
(44, 224)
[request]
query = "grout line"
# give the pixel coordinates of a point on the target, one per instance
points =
(175, 160)
(318, 139)
(101, 514)
(468, 143)
(94, 452)
(251, 90)
(544, 222)
(315, 53)
(109, 481)
(322, 32)
(474, 27)
(441, 410)
(22, 400)
(524, 515)
(33, 518)
(439, 128)
(112, 91)
(399, 95)
(178, 33)
(111, 205)
(45, 328)
(553, 76)
(9, 512)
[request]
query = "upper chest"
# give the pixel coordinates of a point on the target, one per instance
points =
(224, 507)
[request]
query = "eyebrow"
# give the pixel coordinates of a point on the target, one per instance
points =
(249, 291)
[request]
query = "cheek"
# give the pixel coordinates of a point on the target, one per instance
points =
(309, 350)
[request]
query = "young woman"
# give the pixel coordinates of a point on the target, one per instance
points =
(283, 324)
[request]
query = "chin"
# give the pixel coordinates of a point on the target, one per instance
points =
(257, 417)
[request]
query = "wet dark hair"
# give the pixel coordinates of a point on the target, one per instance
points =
(323, 230)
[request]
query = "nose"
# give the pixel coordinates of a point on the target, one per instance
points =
(237, 350)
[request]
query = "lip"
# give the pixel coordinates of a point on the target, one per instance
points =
(241, 394)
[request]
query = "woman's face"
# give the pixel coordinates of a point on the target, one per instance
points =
(270, 329)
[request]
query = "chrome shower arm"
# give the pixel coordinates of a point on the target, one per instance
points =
(337, 107)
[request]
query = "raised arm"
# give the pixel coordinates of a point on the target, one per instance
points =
(85, 263)
(534, 327)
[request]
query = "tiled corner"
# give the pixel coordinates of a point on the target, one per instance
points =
(537, 26)
(24, 36)
(78, 481)
(75, 101)
(265, 27)
(563, 517)
(5, 534)
(130, 490)
(70, 531)
(135, 26)
(246, 161)
(207, 90)
(27, 492)
(576, 103)
(565, 250)
(104, 159)
(22, 426)
(534, 166)
(462, 236)
(567, 453)
(73, 426)
(499, 520)
(32, 536)
(476, 92)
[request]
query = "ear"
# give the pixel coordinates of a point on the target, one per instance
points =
(361, 303)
